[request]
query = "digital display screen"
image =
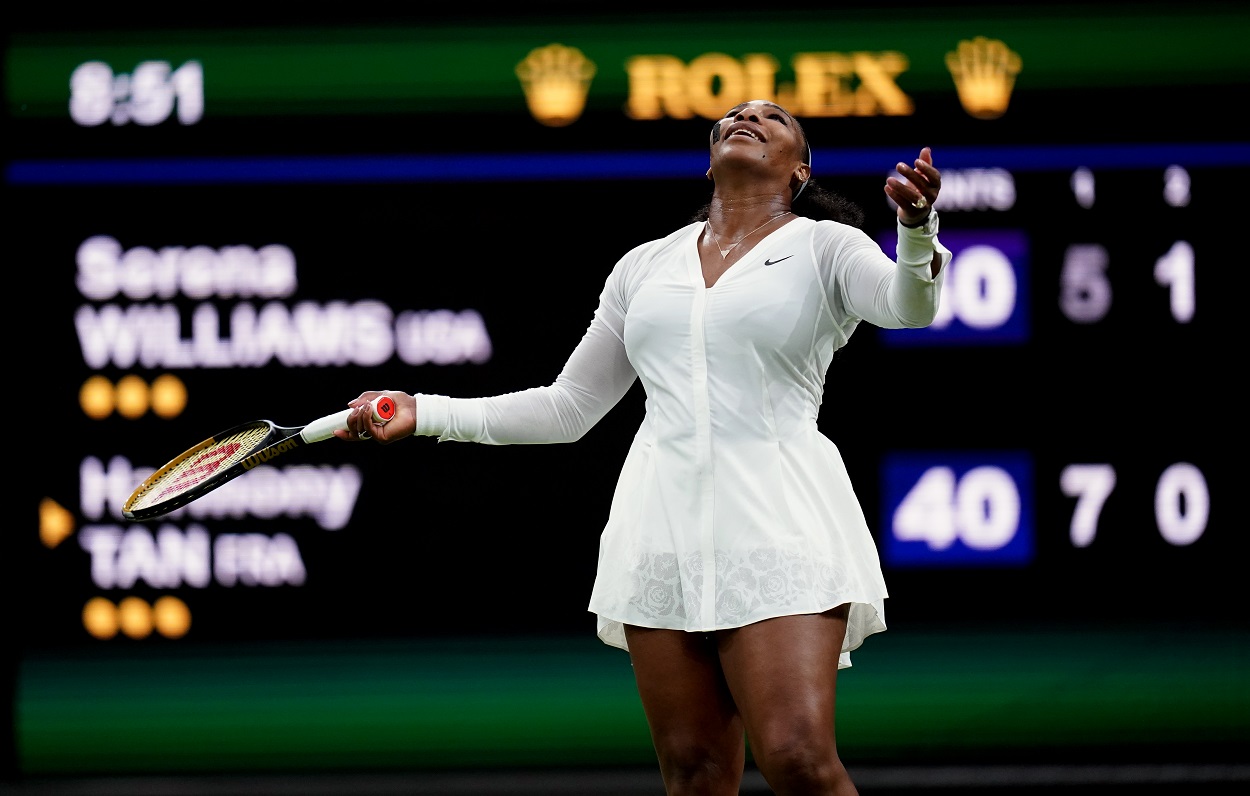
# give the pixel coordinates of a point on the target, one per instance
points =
(187, 310)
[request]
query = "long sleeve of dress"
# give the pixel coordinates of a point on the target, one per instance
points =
(902, 294)
(594, 379)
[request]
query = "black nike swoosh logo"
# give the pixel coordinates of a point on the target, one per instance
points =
(774, 262)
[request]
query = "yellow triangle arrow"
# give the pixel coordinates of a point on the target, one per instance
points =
(55, 523)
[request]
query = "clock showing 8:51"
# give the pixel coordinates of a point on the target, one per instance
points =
(149, 96)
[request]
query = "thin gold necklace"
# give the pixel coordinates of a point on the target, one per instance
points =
(724, 253)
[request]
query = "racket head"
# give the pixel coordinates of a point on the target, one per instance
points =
(200, 469)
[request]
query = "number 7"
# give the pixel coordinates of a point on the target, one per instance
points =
(1090, 484)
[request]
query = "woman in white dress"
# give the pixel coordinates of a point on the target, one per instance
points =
(736, 566)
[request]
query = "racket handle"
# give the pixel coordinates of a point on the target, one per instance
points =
(323, 428)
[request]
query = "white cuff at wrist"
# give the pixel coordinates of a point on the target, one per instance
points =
(432, 414)
(929, 227)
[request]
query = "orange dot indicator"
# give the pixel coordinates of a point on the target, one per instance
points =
(172, 617)
(96, 398)
(132, 396)
(99, 617)
(169, 396)
(135, 617)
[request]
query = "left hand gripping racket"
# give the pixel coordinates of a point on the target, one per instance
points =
(223, 457)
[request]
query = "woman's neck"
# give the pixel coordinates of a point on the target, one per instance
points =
(736, 217)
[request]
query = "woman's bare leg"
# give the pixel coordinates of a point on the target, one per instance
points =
(783, 674)
(694, 724)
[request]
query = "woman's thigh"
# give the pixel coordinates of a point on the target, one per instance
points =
(687, 704)
(782, 674)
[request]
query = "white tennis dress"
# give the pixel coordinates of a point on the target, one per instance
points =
(731, 506)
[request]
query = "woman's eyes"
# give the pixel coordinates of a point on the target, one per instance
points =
(779, 117)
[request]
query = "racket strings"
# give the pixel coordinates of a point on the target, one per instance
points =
(198, 465)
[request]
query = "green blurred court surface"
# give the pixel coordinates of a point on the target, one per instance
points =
(993, 694)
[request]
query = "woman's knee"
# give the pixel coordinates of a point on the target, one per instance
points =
(696, 766)
(798, 761)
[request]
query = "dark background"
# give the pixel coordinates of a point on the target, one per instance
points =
(1137, 390)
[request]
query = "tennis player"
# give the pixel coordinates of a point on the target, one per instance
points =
(736, 567)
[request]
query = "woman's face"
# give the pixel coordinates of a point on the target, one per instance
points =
(759, 131)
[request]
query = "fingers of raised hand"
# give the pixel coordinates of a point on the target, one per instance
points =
(925, 180)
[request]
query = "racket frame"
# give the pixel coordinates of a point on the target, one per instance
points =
(276, 442)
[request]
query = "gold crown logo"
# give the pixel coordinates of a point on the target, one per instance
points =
(556, 80)
(985, 71)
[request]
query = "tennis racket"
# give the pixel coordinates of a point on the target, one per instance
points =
(223, 457)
